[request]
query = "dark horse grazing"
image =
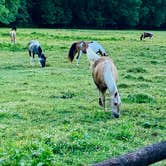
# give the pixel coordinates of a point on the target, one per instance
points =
(77, 48)
(35, 48)
(146, 34)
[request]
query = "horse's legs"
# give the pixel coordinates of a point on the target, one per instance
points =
(78, 57)
(14, 37)
(103, 100)
(31, 58)
(100, 100)
(11, 39)
(39, 58)
(150, 37)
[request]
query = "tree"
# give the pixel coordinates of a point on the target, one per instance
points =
(52, 12)
(127, 13)
(152, 13)
(23, 17)
(8, 10)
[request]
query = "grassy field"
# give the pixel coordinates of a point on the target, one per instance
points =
(50, 116)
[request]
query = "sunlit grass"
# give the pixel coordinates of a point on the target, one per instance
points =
(51, 116)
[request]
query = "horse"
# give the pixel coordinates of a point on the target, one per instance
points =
(105, 75)
(76, 48)
(146, 34)
(13, 35)
(35, 48)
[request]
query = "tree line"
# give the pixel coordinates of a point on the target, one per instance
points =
(105, 14)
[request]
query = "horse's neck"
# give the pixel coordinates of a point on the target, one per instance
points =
(92, 56)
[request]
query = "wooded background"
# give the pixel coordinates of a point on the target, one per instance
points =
(105, 14)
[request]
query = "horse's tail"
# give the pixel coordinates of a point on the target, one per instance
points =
(110, 76)
(72, 52)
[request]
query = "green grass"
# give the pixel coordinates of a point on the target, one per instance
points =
(51, 116)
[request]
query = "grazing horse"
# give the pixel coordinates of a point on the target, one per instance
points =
(146, 34)
(105, 76)
(35, 48)
(76, 48)
(13, 35)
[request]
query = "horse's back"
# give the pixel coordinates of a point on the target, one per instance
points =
(33, 46)
(96, 47)
(12, 33)
(33, 42)
(98, 69)
(147, 34)
(102, 60)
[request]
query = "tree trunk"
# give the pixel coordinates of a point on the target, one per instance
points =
(142, 157)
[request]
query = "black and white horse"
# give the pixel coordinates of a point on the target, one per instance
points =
(76, 48)
(35, 48)
(146, 34)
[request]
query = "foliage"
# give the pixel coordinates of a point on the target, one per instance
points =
(8, 10)
(152, 13)
(83, 14)
(23, 17)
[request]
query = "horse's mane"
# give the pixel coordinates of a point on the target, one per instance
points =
(72, 52)
(40, 50)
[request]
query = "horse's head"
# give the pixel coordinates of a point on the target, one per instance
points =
(141, 36)
(115, 104)
(83, 47)
(42, 60)
(14, 28)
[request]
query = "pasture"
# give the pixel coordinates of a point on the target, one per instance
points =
(51, 116)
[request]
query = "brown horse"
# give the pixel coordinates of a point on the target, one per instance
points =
(77, 48)
(146, 34)
(105, 76)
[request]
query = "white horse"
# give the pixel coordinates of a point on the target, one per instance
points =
(105, 76)
(13, 35)
(76, 48)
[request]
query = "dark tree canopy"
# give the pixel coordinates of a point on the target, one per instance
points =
(84, 14)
